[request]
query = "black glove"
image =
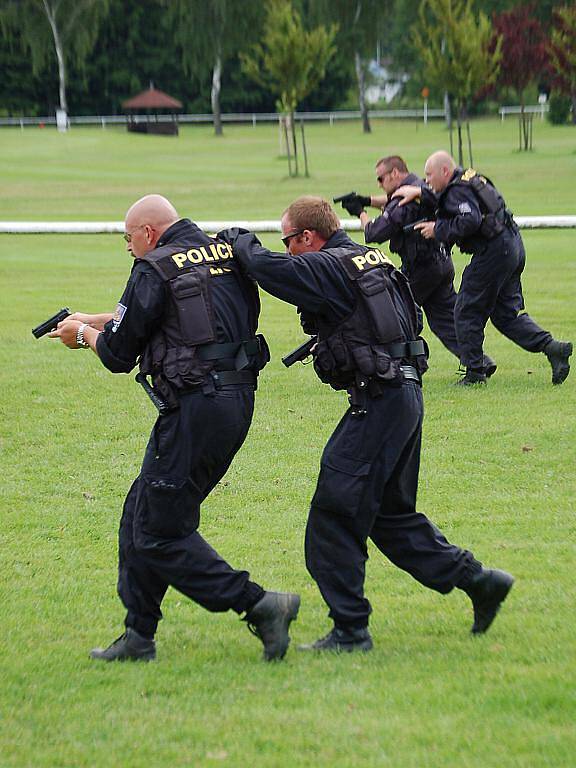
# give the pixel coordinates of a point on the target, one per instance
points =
(232, 234)
(352, 203)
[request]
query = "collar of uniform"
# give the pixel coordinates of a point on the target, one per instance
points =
(177, 230)
(338, 238)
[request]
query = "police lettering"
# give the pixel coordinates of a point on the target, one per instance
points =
(370, 258)
(214, 252)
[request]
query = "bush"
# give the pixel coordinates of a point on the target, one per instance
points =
(559, 109)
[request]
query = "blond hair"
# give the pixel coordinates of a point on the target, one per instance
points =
(315, 213)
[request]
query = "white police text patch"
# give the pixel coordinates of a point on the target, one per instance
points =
(119, 313)
(465, 208)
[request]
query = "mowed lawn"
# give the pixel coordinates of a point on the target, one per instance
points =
(497, 476)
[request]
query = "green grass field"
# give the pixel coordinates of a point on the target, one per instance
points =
(497, 475)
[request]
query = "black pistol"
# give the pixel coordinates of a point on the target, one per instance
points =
(160, 404)
(51, 323)
(345, 198)
(300, 353)
(410, 227)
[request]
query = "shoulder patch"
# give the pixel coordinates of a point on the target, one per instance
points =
(119, 313)
(468, 174)
(464, 208)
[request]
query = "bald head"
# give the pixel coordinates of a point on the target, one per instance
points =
(439, 169)
(146, 221)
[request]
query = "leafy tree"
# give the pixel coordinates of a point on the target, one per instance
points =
(66, 27)
(209, 35)
(455, 48)
(362, 24)
(563, 52)
(291, 60)
(524, 55)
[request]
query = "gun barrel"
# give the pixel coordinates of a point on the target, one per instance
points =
(341, 198)
(51, 323)
(410, 227)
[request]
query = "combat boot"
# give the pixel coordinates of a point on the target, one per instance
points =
(129, 646)
(487, 590)
(490, 366)
(270, 619)
(472, 377)
(342, 641)
(558, 353)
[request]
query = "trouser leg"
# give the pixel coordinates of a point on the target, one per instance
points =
(188, 453)
(439, 310)
(139, 587)
(409, 539)
(506, 317)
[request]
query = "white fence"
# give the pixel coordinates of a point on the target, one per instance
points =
(273, 225)
(532, 109)
(249, 117)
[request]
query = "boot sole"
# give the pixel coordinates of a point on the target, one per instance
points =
(291, 614)
(500, 594)
(363, 647)
(564, 369)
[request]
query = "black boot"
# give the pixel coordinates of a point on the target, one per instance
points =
(130, 645)
(489, 366)
(270, 619)
(342, 641)
(558, 353)
(473, 376)
(487, 590)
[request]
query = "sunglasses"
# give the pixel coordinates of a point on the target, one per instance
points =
(286, 239)
(381, 178)
(128, 235)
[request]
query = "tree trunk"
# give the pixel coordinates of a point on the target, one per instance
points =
(573, 96)
(362, 92)
(215, 93)
(59, 54)
(294, 146)
(460, 149)
(447, 110)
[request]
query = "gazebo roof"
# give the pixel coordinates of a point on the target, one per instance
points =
(152, 99)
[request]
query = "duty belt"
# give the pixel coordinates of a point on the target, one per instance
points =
(230, 355)
(359, 394)
(413, 348)
(410, 373)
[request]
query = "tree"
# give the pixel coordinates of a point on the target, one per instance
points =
(209, 34)
(291, 60)
(563, 53)
(524, 56)
(362, 23)
(455, 47)
(68, 27)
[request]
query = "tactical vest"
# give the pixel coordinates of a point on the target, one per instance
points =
(381, 331)
(495, 216)
(415, 250)
(182, 352)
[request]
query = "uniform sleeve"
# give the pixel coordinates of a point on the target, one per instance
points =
(460, 216)
(392, 220)
(136, 316)
(310, 281)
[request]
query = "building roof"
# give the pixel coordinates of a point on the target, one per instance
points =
(152, 99)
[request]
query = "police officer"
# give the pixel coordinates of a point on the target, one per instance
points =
(189, 316)
(472, 214)
(426, 263)
(367, 324)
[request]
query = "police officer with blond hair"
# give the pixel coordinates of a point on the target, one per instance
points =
(188, 316)
(368, 344)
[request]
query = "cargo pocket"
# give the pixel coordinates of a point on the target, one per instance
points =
(168, 508)
(341, 485)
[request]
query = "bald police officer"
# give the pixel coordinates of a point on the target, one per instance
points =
(188, 315)
(472, 214)
(426, 263)
(367, 324)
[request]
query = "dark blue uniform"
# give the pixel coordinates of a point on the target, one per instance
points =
(428, 266)
(189, 451)
(491, 286)
(369, 468)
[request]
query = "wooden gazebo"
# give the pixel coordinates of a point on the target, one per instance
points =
(145, 109)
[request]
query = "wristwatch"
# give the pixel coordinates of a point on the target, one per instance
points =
(80, 336)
